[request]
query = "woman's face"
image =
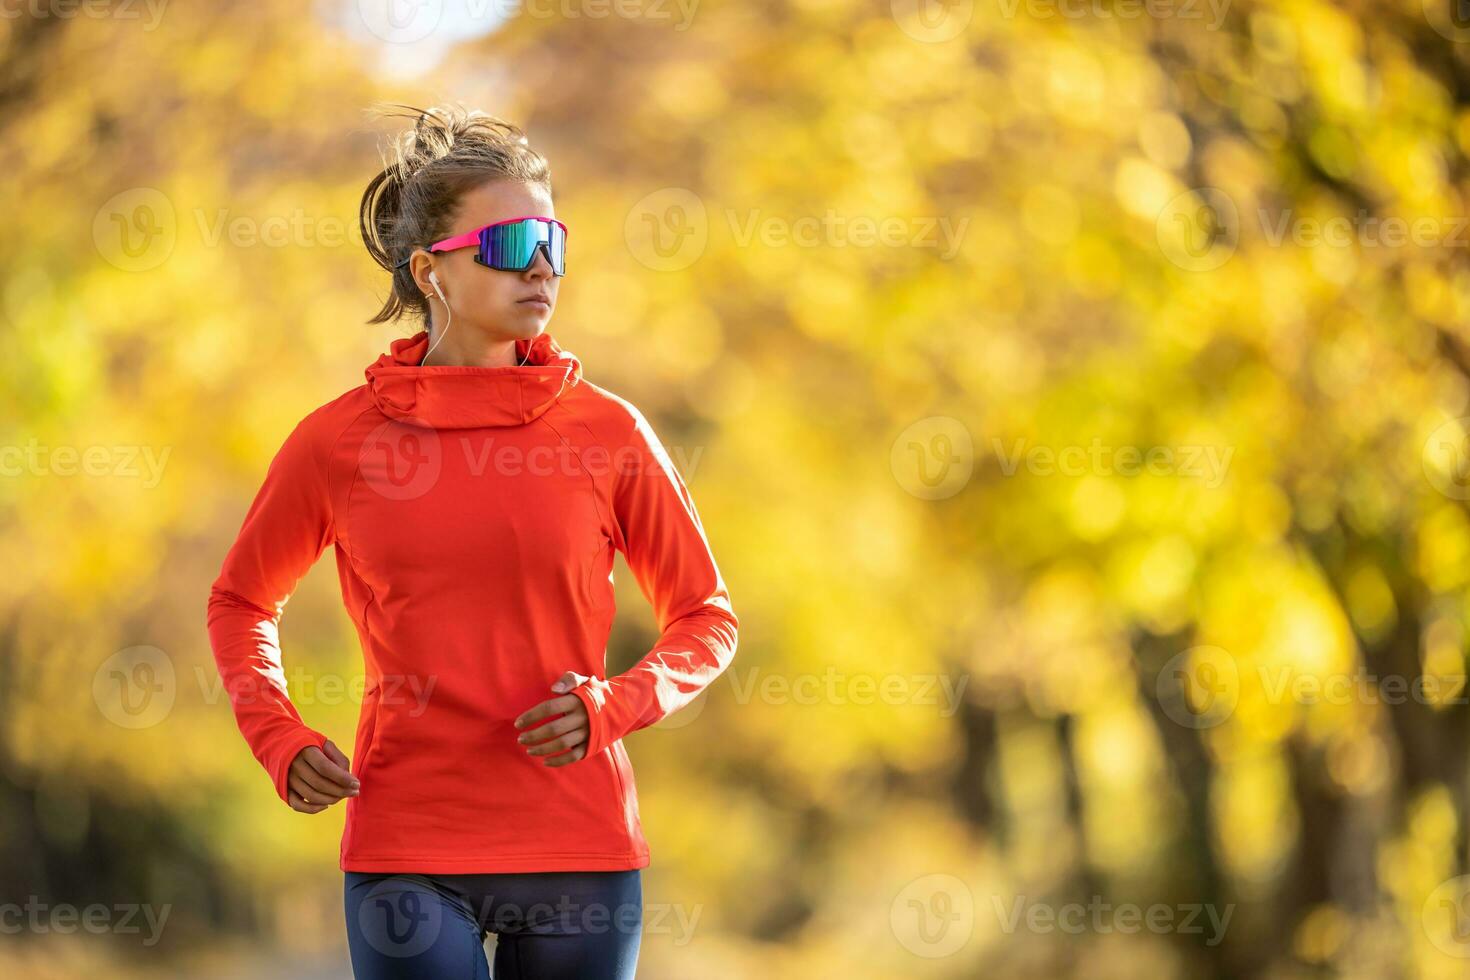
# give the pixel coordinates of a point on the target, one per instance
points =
(490, 300)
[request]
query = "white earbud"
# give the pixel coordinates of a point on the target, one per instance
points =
(449, 314)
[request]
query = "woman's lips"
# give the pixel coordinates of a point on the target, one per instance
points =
(540, 302)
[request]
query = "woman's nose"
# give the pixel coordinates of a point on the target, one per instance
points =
(541, 266)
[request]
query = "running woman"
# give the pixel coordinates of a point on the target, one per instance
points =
(475, 491)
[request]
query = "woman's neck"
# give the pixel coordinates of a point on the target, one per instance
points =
(470, 350)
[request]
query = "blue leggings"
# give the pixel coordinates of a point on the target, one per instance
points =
(548, 925)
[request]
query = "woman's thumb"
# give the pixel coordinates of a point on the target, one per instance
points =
(567, 681)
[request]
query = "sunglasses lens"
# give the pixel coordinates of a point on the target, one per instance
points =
(512, 247)
(556, 248)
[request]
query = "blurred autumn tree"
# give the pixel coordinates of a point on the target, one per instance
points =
(1094, 380)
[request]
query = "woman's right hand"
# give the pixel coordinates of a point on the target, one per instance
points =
(320, 778)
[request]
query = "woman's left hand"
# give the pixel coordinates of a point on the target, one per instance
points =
(568, 731)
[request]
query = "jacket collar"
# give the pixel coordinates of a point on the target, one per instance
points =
(458, 397)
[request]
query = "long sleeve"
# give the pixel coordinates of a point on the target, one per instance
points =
(285, 531)
(660, 535)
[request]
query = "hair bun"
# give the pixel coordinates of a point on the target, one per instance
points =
(437, 130)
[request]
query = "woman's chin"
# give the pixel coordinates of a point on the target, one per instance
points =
(530, 320)
(519, 326)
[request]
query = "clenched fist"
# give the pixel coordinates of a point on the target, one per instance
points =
(320, 778)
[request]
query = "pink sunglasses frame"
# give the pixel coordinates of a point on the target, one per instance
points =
(473, 237)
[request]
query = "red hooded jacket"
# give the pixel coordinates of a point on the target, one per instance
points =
(475, 513)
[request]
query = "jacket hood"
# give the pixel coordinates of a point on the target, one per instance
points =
(443, 396)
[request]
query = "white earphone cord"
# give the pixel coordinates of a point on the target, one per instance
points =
(449, 318)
